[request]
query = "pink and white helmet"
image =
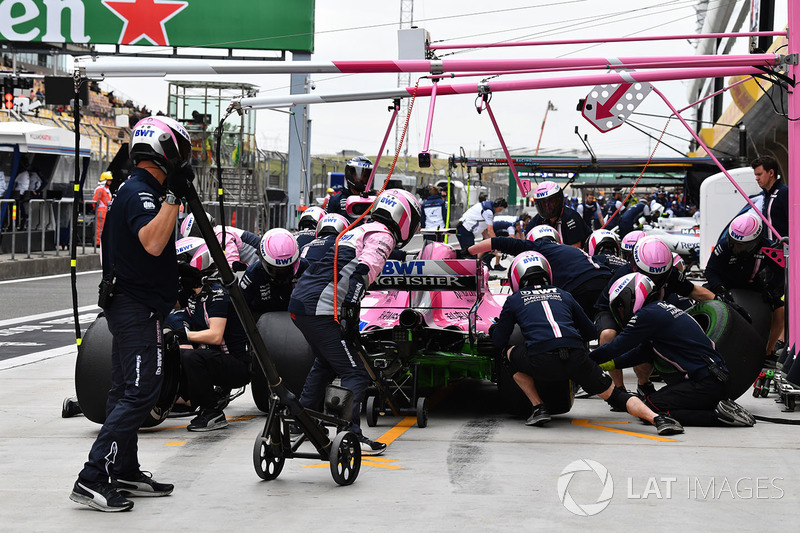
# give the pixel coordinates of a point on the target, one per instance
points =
(279, 253)
(652, 258)
(529, 268)
(186, 248)
(629, 241)
(310, 218)
(629, 294)
(161, 140)
(331, 224)
(398, 210)
(437, 250)
(602, 240)
(548, 199)
(543, 231)
(190, 229)
(744, 233)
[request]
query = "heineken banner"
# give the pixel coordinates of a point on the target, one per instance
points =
(254, 24)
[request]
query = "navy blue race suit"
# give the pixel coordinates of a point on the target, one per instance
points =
(226, 365)
(146, 288)
(262, 292)
(570, 226)
(573, 270)
(556, 330)
(662, 331)
(776, 208)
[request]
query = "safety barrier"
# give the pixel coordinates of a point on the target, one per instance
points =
(50, 215)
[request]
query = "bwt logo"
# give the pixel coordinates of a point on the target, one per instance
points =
(143, 133)
(286, 261)
(388, 201)
(391, 268)
(737, 236)
(540, 195)
(657, 269)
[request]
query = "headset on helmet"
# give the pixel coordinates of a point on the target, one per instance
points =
(190, 229)
(653, 258)
(543, 231)
(601, 241)
(310, 218)
(529, 268)
(331, 224)
(549, 200)
(744, 234)
(278, 252)
(357, 172)
(629, 294)
(161, 140)
(629, 241)
(399, 211)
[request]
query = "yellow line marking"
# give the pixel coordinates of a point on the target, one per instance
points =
(368, 462)
(175, 443)
(592, 424)
(400, 428)
(321, 465)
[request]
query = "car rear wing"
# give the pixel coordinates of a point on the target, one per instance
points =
(429, 275)
(435, 275)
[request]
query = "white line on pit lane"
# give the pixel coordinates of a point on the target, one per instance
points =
(38, 356)
(54, 276)
(42, 316)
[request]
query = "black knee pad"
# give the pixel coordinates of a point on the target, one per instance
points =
(619, 398)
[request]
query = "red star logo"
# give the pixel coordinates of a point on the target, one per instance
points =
(145, 19)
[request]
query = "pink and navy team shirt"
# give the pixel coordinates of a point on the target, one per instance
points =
(362, 252)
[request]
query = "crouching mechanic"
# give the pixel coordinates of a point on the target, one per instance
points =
(738, 262)
(653, 328)
(214, 347)
(267, 285)
(362, 253)
(555, 329)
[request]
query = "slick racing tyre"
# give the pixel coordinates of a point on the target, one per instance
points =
(290, 353)
(759, 310)
(735, 340)
(93, 376)
(558, 396)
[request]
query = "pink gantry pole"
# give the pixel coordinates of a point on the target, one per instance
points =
(523, 189)
(608, 78)
(427, 142)
(793, 290)
(711, 155)
(608, 40)
(383, 145)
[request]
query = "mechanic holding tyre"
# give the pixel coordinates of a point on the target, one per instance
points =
(738, 262)
(139, 288)
(555, 329)
(214, 347)
(656, 329)
(362, 253)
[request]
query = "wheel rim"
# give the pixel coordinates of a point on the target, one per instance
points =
(268, 465)
(346, 464)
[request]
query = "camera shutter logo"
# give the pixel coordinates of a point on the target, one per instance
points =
(589, 509)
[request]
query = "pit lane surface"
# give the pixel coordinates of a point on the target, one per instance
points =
(474, 468)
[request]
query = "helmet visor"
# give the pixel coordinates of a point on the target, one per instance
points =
(550, 207)
(280, 274)
(741, 249)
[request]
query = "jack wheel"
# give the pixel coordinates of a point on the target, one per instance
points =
(267, 462)
(790, 402)
(345, 458)
(422, 412)
(372, 411)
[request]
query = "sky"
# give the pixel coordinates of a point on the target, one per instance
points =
(367, 29)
